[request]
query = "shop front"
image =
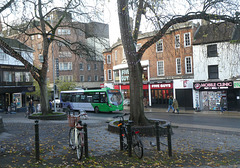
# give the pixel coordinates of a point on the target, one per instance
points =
(208, 94)
(157, 94)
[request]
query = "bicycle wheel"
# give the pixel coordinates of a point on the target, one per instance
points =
(80, 146)
(72, 138)
(137, 145)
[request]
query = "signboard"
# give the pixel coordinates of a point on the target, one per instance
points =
(102, 85)
(162, 86)
(236, 84)
(213, 85)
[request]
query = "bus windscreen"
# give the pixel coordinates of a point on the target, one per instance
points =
(115, 97)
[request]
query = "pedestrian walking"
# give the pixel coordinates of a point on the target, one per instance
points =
(222, 104)
(175, 105)
(170, 102)
(50, 104)
(145, 103)
(31, 106)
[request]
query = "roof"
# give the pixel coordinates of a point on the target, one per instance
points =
(220, 32)
(13, 43)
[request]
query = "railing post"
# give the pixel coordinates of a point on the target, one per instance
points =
(121, 137)
(85, 139)
(157, 135)
(37, 140)
(129, 139)
(169, 140)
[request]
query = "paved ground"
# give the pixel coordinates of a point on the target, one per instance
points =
(17, 144)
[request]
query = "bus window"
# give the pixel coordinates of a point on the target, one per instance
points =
(103, 98)
(73, 98)
(115, 97)
(83, 98)
(78, 98)
(96, 98)
(89, 99)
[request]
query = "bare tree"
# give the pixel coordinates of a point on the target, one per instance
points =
(158, 13)
(5, 5)
(37, 20)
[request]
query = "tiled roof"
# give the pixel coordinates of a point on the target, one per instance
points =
(220, 32)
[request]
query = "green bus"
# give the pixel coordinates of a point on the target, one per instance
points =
(100, 100)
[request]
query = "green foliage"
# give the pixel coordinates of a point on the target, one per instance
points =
(235, 41)
(62, 85)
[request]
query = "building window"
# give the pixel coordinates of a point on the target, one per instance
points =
(66, 78)
(3, 56)
(81, 78)
(115, 55)
(187, 39)
(178, 66)
(159, 46)
(212, 50)
(177, 41)
(102, 78)
(65, 54)
(39, 46)
(124, 56)
(188, 65)
(108, 59)
(89, 78)
(138, 46)
(32, 37)
(81, 66)
(88, 67)
(109, 74)
(95, 66)
(40, 57)
(105, 75)
(64, 32)
(213, 71)
(39, 36)
(65, 66)
(96, 78)
(160, 68)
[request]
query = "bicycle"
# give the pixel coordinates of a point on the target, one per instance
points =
(76, 134)
(137, 144)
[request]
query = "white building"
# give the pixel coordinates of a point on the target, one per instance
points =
(216, 53)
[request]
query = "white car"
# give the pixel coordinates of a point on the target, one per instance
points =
(57, 103)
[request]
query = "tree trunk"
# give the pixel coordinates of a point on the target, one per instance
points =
(44, 97)
(134, 65)
(136, 97)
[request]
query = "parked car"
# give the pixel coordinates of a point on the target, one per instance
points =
(126, 102)
(57, 103)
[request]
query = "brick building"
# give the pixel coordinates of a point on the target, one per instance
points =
(167, 67)
(84, 68)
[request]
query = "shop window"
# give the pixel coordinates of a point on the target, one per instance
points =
(213, 71)
(212, 50)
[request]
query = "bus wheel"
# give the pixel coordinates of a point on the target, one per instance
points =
(96, 109)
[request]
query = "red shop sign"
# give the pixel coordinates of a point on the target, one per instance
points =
(162, 86)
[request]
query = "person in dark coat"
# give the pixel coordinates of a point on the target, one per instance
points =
(170, 102)
(222, 104)
(31, 106)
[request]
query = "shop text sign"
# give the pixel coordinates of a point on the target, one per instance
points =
(212, 85)
(162, 86)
